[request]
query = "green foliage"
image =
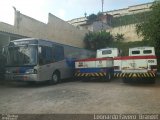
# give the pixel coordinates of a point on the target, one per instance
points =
(124, 46)
(150, 29)
(97, 40)
(99, 14)
(91, 18)
(129, 19)
(122, 20)
(119, 37)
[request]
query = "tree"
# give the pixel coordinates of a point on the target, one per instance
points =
(91, 18)
(119, 37)
(150, 28)
(97, 40)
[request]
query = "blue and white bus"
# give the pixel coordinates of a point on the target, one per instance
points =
(32, 59)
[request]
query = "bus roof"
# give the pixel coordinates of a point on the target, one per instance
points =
(144, 47)
(43, 41)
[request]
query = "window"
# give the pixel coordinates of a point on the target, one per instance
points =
(136, 52)
(46, 55)
(22, 55)
(106, 52)
(147, 51)
(50, 54)
(58, 54)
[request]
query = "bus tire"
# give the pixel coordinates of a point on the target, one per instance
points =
(125, 80)
(152, 80)
(55, 78)
(32, 82)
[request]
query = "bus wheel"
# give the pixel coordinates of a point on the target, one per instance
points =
(125, 80)
(32, 82)
(152, 80)
(55, 78)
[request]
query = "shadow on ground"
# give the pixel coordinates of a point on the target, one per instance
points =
(32, 84)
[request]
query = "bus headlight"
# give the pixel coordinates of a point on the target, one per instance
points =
(31, 71)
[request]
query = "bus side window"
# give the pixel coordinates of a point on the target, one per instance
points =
(106, 52)
(147, 51)
(135, 52)
(45, 55)
(49, 55)
(58, 53)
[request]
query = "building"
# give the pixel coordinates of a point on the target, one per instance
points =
(81, 23)
(121, 21)
(130, 10)
(56, 29)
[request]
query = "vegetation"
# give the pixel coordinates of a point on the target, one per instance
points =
(122, 20)
(93, 17)
(129, 19)
(97, 40)
(148, 26)
(119, 37)
(124, 46)
(150, 29)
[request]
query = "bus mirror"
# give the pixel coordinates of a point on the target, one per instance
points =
(40, 49)
(2, 50)
(120, 52)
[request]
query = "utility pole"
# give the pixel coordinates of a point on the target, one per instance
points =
(102, 5)
(102, 12)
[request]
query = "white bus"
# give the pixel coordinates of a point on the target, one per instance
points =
(33, 59)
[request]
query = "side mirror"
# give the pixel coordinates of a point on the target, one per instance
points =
(39, 49)
(120, 52)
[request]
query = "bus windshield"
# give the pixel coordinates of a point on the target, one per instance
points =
(22, 55)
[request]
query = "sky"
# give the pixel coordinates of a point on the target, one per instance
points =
(64, 9)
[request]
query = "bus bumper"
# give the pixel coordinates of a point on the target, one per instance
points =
(139, 75)
(26, 77)
(135, 75)
(148, 77)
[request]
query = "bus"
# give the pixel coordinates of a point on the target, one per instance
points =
(34, 60)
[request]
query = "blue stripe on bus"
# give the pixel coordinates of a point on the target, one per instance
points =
(22, 70)
(71, 62)
(95, 70)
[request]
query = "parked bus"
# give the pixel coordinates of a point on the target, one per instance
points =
(33, 59)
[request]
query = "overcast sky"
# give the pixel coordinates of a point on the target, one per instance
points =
(64, 9)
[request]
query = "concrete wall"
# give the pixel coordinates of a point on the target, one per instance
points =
(28, 26)
(130, 10)
(4, 40)
(56, 29)
(64, 32)
(129, 32)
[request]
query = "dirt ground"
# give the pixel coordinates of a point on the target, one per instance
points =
(80, 97)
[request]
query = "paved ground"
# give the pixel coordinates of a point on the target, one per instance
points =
(80, 97)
